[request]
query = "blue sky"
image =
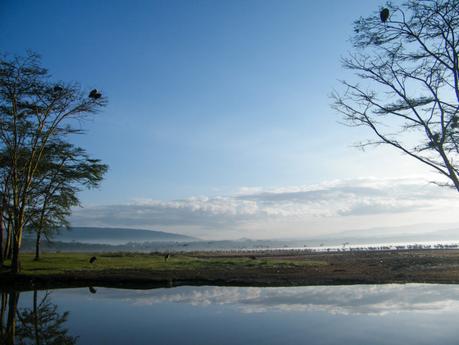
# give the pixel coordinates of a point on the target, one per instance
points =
(207, 99)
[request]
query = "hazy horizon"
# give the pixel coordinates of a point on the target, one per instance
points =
(417, 232)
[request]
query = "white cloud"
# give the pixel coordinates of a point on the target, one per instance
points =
(287, 211)
(346, 300)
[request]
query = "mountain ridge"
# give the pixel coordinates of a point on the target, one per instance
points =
(109, 235)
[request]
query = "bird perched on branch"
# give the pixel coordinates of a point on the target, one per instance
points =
(95, 94)
(384, 15)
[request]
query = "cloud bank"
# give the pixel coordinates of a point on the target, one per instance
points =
(285, 212)
(343, 300)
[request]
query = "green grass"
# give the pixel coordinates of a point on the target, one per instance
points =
(56, 263)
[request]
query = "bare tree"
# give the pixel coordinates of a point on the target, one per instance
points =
(406, 60)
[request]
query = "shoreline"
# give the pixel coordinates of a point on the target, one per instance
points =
(288, 269)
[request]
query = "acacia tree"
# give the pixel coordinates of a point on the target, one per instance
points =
(43, 323)
(34, 111)
(63, 172)
(406, 60)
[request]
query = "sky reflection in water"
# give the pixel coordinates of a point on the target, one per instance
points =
(364, 314)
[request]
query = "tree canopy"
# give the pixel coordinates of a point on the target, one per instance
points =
(41, 170)
(406, 60)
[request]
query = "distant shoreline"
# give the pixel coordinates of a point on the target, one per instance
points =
(231, 247)
(141, 271)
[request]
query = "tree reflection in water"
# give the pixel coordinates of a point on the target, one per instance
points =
(41, 324)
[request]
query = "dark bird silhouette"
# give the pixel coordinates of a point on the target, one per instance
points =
(92, 290)
(58, 88)
(166, 257)
(253, 257)
(92, 260)
(94, 94)
(384, 15)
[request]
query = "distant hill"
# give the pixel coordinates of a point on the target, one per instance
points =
(118, 236)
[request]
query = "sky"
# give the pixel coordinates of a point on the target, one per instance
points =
(219, 122)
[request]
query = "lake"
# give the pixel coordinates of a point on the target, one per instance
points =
(358, 314)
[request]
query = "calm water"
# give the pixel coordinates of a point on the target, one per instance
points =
(364, 314)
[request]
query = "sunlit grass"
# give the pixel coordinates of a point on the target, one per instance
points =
(57, 263)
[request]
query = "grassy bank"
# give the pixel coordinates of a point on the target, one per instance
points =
(64, 263)
(288, 268)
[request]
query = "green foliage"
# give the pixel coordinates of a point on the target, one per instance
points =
(41, 172)
(64, 171)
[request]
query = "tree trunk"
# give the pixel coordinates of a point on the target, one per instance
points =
(11, 322)
(15, 262)
(35, 317)
(2, 226)
(452, 174)
(18, 229)
(39, 229)
(37, 246)
(9, 242)
(2, 315)
(1, 239)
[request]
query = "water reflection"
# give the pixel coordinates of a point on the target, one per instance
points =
(8, 316)
(354, 299)
(41, 324)
(361, 314)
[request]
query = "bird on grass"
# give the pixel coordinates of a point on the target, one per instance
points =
(92, 260)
